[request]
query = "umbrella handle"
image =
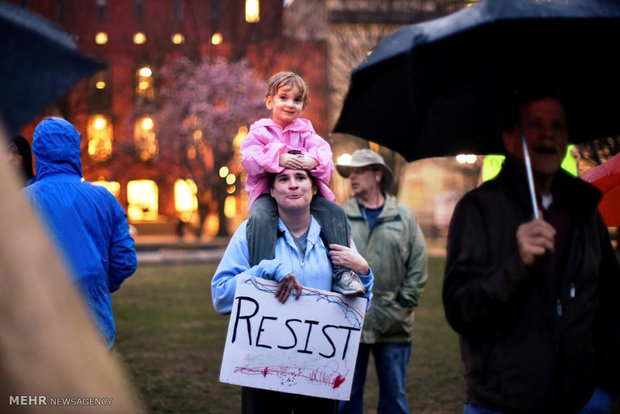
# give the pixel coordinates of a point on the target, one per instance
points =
(530, 177)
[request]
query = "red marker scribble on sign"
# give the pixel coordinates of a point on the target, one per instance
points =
(292, 374)
(338, 380)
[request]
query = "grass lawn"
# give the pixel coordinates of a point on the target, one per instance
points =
(172, 340)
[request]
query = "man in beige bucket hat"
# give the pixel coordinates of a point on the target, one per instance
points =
(366, 158)
(387, 234)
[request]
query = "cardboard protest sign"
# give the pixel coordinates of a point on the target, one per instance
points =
(306, 346)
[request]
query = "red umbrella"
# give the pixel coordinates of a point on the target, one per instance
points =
(606, 177)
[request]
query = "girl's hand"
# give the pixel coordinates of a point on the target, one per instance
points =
(309, 163)
(349, 258)
(286, 286)
(291, 161)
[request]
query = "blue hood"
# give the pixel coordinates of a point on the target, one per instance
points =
(56, 147)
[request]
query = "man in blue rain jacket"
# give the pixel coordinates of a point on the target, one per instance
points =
(85, 221)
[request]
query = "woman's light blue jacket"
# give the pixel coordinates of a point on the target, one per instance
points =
(314, 270)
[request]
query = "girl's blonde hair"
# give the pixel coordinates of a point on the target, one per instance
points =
(288, 80)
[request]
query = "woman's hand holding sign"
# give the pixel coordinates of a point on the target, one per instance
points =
(286, 286)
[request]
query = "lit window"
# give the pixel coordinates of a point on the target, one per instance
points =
(252, 11)
(99, 80)
(216, 39)
(212, 224)
(147, 123)
(145, 140)
(230, 206)
(142, 199)
(185, 200)
(99, 95)
(101, 38)
(241, 133)
(177, 38)
(112, 186)
(144, 83)
(99, 133)
(139, 38)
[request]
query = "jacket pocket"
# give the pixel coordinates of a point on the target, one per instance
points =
(395, 321)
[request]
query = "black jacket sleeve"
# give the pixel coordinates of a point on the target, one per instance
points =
(484, 277)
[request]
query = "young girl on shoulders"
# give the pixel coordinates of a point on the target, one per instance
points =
(287, 141)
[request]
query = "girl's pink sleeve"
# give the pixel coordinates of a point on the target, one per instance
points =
(320, 150)
(259, 155)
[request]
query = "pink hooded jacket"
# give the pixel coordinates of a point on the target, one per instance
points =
(262, 146)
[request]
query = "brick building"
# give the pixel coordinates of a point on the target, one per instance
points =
(135, 38)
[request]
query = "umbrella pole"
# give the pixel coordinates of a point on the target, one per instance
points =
(530, 177)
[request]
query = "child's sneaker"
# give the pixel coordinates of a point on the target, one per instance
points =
(349, 284)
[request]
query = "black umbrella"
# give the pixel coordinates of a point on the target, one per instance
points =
(435, 88)
(39, 63)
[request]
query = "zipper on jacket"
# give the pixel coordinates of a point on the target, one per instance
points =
(554, 286)
(378, 221)
(558, 303)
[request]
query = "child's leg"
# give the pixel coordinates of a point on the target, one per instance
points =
(262, 229)
(336, 229)
(333, 220)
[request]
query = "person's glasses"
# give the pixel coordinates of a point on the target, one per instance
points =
(361, 170)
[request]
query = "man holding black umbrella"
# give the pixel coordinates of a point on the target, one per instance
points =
(535, 302)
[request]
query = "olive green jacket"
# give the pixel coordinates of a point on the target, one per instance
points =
(396, 253)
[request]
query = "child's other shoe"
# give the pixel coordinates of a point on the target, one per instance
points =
(349, 284)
